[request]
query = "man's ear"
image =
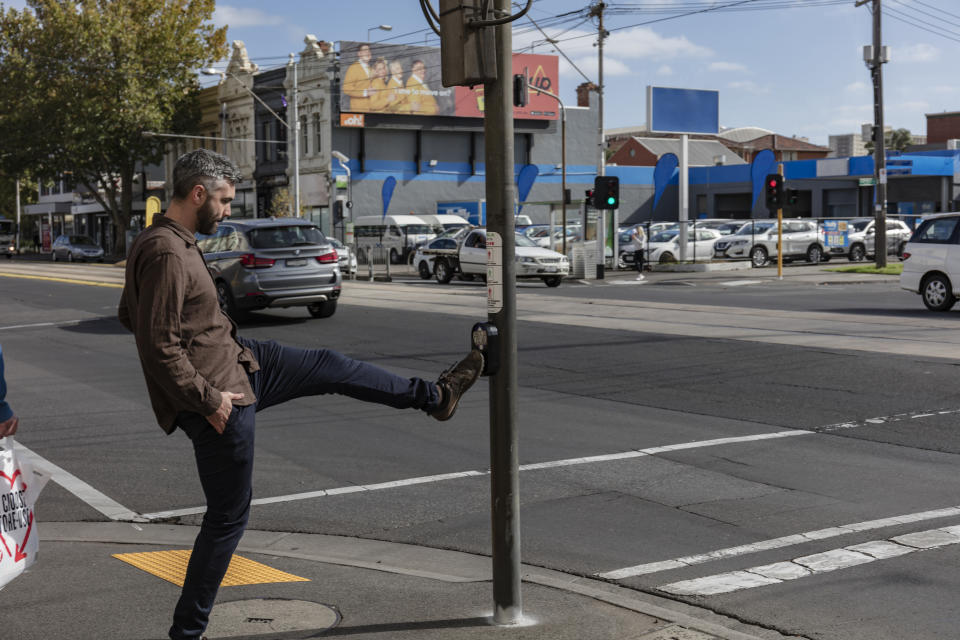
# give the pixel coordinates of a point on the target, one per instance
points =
(198, 194)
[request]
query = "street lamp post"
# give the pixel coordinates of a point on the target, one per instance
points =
(294, 131)
(563, 159)
(382, 27)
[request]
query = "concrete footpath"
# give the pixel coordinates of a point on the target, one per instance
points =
(322, 586)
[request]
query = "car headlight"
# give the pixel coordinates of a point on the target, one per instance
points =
(526, 259)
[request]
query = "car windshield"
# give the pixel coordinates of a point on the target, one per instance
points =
(665, 236)
(288, 236)
(417, 228)
(80, 240)
(524, 241)
(757, 228)
(859, 225)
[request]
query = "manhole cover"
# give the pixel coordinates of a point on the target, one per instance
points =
(268, 617)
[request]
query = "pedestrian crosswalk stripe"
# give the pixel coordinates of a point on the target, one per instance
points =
(814, 564)
(172, 567)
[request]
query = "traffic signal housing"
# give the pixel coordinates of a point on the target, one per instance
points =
(774, 191)
(606, 192)
(792, 198)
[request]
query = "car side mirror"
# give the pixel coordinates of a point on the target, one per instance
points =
(870, 232)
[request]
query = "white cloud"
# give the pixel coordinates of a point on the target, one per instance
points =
(922, 52)
(225, 15)
(855, 87)
(726, 66)
(620, 49)
(748, 86)
(665, 70)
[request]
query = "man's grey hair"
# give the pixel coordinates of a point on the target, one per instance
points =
(204, 167)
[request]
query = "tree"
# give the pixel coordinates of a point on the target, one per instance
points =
(83, 79)
(894, 140)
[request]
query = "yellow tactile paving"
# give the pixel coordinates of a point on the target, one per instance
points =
(172, 567)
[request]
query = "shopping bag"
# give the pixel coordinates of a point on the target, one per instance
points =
(20, 486)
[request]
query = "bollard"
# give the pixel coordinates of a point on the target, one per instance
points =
(370, 263)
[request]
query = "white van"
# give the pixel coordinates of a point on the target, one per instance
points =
(444, 222)
(397, 236)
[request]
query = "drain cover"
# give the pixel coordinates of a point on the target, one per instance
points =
(269, 617)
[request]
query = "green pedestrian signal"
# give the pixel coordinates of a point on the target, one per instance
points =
(606, 192)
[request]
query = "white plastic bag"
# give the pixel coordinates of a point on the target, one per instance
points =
(20, 485)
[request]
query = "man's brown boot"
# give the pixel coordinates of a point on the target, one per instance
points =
(455, 381)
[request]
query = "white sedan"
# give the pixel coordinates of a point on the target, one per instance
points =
(664, 247)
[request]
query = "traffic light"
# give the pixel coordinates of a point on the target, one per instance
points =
(774, 191)
(520, 90)
(792, 198)
(606, 192)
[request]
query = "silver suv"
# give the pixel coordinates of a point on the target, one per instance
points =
(273, 262)
(861, 236)
(757, 240)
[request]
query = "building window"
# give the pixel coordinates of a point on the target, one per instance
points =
(318, 140)
(304, 136)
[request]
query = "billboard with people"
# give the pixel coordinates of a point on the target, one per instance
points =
(405, 80)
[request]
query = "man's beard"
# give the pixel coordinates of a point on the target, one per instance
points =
(207, 218)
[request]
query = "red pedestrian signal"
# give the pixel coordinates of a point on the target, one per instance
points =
(774, 191)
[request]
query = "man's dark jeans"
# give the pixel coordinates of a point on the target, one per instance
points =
(225, 461)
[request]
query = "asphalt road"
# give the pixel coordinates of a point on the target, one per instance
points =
(677, 460)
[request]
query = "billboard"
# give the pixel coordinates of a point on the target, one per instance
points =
(683, 110)
(405, 80)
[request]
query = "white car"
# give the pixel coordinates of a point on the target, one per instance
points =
(861, 235)
(446, 240)
(931, 261)
(664, 246)
(345, 256)
(802, 239)
(531, 261)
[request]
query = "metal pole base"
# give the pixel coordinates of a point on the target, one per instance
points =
(599, 272)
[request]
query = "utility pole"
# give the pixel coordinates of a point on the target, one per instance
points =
(502, 312)
(875, 62)
(597, 11)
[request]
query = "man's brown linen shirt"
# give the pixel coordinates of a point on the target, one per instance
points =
(187, 345)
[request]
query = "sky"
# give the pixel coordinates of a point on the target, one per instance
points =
(796, 70)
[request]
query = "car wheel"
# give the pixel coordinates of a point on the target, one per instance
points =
(361, 257)
(857, 253)
(667, 258)
(53, 256)
(70, 257)
(443, 271)
(815, 254)
(323, 309)
(937, 293)
(758, 256)
(424, 269)
(225, 298)
(394, 257)
(553, 281)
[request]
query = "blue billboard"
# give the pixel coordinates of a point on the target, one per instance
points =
(672, 110)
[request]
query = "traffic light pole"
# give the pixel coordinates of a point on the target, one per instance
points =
(502, 312)
(780, 230)
(879, 153)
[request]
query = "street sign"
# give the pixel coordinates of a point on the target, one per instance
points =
(867, 182)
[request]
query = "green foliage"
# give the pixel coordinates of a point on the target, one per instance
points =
(895, 140)
(892, 269)
(84, 78)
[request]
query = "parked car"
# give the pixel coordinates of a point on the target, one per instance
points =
(446, 240)
(861, 234)
(273, 262)
(76, 248)
(664, 247)
(802, 239)
(931, 261)
(346, 257)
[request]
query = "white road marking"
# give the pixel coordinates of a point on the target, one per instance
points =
(624, 455)
(778, 543)
(102, 503)
(40, 324)
(826, 562)
(740, 283)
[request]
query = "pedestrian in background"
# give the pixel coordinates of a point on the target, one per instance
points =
(209, 382)
(636, 243)
(8, 420)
